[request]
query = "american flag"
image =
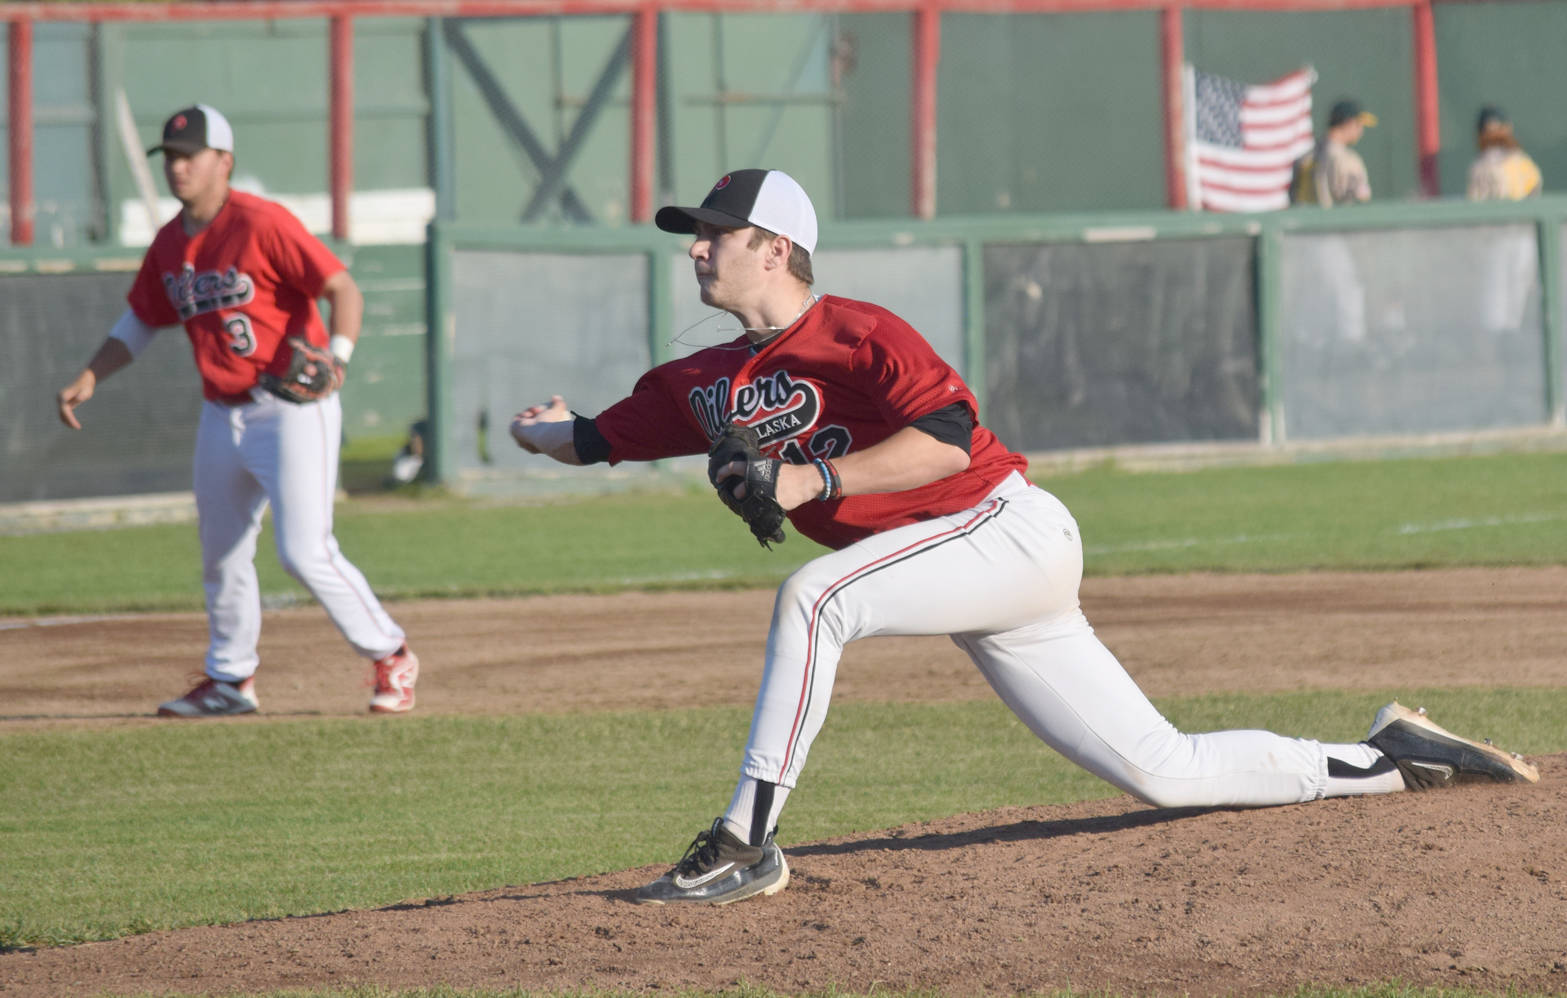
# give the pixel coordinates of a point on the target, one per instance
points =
(1242, 140)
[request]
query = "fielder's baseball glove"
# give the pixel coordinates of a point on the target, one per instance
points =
(759, 508)
(313, 373)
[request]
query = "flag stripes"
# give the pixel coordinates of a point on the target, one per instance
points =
(1242, 140)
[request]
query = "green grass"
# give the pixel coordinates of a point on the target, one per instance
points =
(430, 547)
(110, 832)
(1413, 513)
(125, 830)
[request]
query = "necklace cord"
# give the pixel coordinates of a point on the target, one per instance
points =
(805, 306)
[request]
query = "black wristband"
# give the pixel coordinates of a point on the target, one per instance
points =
(590, 444)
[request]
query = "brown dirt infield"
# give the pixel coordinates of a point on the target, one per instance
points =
(1463, 888)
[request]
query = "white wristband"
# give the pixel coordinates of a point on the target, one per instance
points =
(133, 332)
(342, 348)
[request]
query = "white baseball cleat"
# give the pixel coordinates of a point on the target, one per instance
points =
(214, 698)
(1428, 755)
(395, 676)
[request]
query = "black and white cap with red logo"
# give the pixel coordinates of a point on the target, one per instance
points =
(193, 129)
(767, 199)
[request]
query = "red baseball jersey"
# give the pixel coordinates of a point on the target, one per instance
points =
(848, 376)
(241, 286)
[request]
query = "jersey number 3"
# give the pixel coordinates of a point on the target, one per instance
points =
(241, 340)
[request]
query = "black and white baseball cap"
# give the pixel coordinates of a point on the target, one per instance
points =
(767, 199)
(195, 128)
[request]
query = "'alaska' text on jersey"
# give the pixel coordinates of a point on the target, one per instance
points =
(779, 406)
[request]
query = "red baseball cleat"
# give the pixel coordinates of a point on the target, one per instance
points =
(395, 676)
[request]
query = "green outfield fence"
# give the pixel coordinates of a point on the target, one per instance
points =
(1408, 321)
(56, 307)
(1080, 333)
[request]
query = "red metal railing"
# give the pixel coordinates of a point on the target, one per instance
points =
(1172, 52)
(340, 142)
(19, 50)
(924, 59)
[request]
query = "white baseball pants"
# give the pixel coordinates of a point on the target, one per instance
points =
(272, 451)
(1002, 579)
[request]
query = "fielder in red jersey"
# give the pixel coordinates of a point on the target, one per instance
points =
(242, 276)
(934, 530)
(241, 286)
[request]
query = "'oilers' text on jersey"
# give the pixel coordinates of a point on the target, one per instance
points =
(193, 293)
(847, 377)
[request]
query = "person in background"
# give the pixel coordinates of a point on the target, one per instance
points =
(1501, 171)
(1333, 172)
(242, 275)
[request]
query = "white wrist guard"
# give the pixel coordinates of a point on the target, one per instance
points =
(133, 332)
(342, 348)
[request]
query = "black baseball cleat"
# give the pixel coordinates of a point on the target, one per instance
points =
(718, 868)
(1428, 755)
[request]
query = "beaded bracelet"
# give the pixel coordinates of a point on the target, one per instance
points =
(821, 468)
(832, 485)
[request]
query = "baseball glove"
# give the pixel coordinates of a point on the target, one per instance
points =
(759, 508)
(313, 373)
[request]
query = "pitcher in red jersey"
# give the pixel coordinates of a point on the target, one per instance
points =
(934, 530)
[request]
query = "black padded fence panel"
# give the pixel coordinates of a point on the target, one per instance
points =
(138, 429)
(1102, 344)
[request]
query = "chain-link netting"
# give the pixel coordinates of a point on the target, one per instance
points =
(1411, 331)
(1092, 345)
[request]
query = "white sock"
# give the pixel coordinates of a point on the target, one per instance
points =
(1359, 768)
(753, 811)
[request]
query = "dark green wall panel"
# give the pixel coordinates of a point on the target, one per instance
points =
(1049, 113)
(385, 390)
(750, 90)
(270, 79)
(1053, 112)
(1509, 54)
(875, 128)
(518, 73)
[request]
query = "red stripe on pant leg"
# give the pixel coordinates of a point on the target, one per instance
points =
(327, 476)
(803, 703)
